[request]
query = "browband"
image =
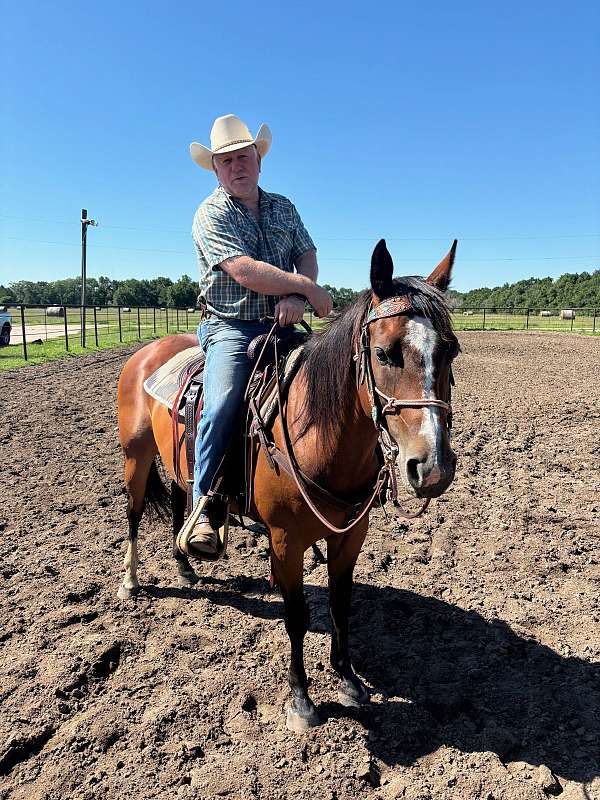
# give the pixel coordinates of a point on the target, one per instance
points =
(389, 308)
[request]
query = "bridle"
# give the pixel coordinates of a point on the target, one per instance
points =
(392, 307)
(386, 478)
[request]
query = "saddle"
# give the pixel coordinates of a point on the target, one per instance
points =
(178, 384)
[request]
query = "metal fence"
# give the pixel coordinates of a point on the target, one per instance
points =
(42, 330)
(47, 331)
(574, 320)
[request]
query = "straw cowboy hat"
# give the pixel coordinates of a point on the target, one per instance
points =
(229, 133)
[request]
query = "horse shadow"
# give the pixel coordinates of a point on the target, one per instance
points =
(448, 676)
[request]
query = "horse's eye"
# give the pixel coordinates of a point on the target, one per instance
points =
(381, 355)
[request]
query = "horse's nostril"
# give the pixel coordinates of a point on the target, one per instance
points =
(412, 470)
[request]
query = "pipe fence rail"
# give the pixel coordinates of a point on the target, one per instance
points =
(571, 320)
(47, 331)
(50, 330)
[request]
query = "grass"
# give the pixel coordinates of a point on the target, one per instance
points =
(520, 322)
(154, 325)
(11, 357)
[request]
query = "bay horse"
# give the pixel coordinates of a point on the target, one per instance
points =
(380, 367)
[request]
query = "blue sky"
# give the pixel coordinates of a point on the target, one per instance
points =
(414, 122)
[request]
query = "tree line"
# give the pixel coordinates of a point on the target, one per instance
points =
(570, 290)
(131, 292)
(103, 292)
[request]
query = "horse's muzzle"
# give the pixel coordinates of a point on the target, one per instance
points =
(425, 477)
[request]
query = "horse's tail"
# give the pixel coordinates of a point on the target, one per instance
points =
(157, 497)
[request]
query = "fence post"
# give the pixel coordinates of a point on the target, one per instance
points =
(572, 319)
(167, 313)
(154, 320)
(483, 318)
(64, 308)
(95, 327)
(177, 318)
(594, 323)
(120, 328)
(139, 327)
(187, 322)
(23, 331)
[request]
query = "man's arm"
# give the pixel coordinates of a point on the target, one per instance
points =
(307, 265)
(264, 278)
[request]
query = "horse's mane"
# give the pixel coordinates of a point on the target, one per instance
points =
(328, 357)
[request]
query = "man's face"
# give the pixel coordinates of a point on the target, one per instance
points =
(238, 171)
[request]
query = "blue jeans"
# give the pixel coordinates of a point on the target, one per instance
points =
(226, 374)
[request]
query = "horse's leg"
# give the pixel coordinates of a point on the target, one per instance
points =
(342, 552)
(185, 572)
(287, 563)
(139, 457)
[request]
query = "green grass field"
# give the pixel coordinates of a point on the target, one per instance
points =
(583, 323)
(151, 326)
(154, 323)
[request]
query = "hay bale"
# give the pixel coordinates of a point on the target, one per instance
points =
(567, 313)
(545, 313)
(55, 311)
(125, 310)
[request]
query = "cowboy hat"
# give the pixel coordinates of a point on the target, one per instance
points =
(229, 133)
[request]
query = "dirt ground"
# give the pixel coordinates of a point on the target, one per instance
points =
(477, 626)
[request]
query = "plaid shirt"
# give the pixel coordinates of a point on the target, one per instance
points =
(223, 227)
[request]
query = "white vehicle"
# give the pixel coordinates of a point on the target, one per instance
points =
(5, 326)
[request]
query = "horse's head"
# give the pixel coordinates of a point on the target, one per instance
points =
(411, 348)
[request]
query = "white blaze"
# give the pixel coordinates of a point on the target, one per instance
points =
(422, 337)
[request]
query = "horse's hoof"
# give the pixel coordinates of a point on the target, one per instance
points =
(352, 694)
(126, 593)
(299, 723)
(187, 580)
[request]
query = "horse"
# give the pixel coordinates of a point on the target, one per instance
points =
(371, 382)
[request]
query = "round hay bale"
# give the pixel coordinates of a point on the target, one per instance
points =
(55, 311)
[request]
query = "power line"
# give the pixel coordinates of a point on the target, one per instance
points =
(374, 237)
(190, 254)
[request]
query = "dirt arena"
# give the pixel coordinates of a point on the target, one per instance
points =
(477, 627)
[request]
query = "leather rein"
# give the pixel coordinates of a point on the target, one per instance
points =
(386, 479)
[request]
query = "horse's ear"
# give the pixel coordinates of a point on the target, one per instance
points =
(382, 271)
(440, 277)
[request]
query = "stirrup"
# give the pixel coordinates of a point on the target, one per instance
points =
(182, 539)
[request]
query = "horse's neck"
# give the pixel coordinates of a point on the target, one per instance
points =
(345, 462)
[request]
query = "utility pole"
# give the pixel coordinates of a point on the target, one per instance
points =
(84, 226)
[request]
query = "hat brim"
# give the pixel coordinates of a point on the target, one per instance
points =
(203, 155)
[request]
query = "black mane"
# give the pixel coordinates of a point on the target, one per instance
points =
(328, 358)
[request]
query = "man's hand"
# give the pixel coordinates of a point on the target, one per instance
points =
(320, 300)
(289, 310)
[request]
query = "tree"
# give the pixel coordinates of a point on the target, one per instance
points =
(183, 294)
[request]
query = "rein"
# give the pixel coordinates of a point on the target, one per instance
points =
(386, 479)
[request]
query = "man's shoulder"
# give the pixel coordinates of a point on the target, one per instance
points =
(214, 207)
(216, 200)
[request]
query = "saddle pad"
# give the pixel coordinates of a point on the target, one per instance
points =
(164, 384)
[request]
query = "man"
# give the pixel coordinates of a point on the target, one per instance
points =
(249, 242)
